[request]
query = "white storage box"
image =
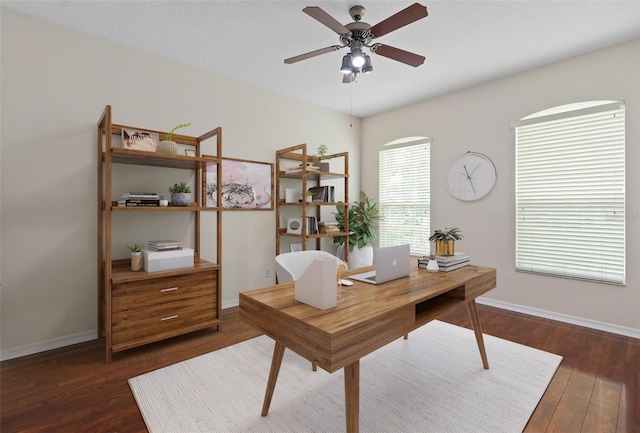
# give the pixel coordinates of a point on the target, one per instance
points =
(154, 261)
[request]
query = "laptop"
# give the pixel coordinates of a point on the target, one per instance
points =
(391, 263)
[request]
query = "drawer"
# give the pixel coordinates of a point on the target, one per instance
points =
(162, 320)
(168, 290)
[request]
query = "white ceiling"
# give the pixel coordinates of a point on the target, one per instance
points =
(464, 42)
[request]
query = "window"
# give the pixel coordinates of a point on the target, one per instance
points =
(570, 192)
(404, 177)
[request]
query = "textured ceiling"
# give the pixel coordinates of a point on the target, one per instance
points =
(464, 42)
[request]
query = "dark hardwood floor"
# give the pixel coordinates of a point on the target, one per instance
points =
(596, 389)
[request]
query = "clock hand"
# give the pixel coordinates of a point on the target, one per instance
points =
(469, 179)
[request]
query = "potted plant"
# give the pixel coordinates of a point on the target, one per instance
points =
(309, 196)
(362, 215)
(180, 194)
(136, 256)
(445, 240)
(322, 155)
(168, 145)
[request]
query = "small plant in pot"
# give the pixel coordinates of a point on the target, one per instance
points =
(445, 240)
(136, 256)
(180, 194)
(323, 156)
(168, 145)
(362, 215)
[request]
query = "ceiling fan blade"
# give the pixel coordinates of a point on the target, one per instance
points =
(326, 19)
(406, 16)
(312, 54)
(397, 54)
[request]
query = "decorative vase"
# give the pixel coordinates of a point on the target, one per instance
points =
(325, 166)
(136, 258)
(309, 198)
(167, 146)
(181, 198)
(445, 248)
(432, 266)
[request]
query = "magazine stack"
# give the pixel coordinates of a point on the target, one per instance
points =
(164, 245)
(139, 199)
(446, 263)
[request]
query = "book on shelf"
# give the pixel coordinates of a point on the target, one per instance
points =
(133, 203)
(323, 193)
(165, 243)
(139, 195)
(328, 227)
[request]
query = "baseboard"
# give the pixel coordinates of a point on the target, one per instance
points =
(580, 321)
(43, 346)
(55, 343)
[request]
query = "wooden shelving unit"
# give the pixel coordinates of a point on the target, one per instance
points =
(303, 180)
(137, 308)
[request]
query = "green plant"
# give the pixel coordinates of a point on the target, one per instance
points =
(179, 188)
(168, 136)
(135, 248)
(309, 193)
(362, 217)
(446, 235)
(322, 152)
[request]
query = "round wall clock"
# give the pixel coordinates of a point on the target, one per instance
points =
(470, 176)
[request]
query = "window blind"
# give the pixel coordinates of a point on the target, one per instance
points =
(404, 202)
(570, 193)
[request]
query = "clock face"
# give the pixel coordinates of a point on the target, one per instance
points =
(470, 176)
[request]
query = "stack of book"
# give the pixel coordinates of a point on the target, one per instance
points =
(446, 263)
(165, 245)
(328, 227)
(139, 199)
(312, 225)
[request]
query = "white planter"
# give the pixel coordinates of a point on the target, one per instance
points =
(359, 257)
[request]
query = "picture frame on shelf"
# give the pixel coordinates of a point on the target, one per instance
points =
(139, 140)
(246, 185)
(190, 152)
(295, 247)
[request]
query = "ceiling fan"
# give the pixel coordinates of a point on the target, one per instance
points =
(358, 34)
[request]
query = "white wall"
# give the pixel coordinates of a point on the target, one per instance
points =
(55, 84)
(477, 119)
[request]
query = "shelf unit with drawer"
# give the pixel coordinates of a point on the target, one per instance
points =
(137, 308)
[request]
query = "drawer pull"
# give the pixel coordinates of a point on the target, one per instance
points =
(169, 290)
(169, 318)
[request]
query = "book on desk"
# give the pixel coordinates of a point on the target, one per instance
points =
(447, 263)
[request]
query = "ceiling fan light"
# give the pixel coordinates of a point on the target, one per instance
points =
(358, 57)
(346, 64)
(367, 67)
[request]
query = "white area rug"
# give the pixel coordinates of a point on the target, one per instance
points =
(432, 382)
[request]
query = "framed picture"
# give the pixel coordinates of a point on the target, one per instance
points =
(190, 152)
(139, 140)
(246, 185)
(295, 247)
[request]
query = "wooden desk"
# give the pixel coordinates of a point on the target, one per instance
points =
(366, 318)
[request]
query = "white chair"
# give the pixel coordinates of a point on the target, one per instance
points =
(290, 266)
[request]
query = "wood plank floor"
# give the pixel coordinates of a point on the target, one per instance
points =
(596, 388)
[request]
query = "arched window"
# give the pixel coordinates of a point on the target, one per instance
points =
(570, 192)
(404, 184)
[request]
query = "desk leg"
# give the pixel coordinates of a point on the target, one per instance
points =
(352, 396)
(475, 322)
(278, 354)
